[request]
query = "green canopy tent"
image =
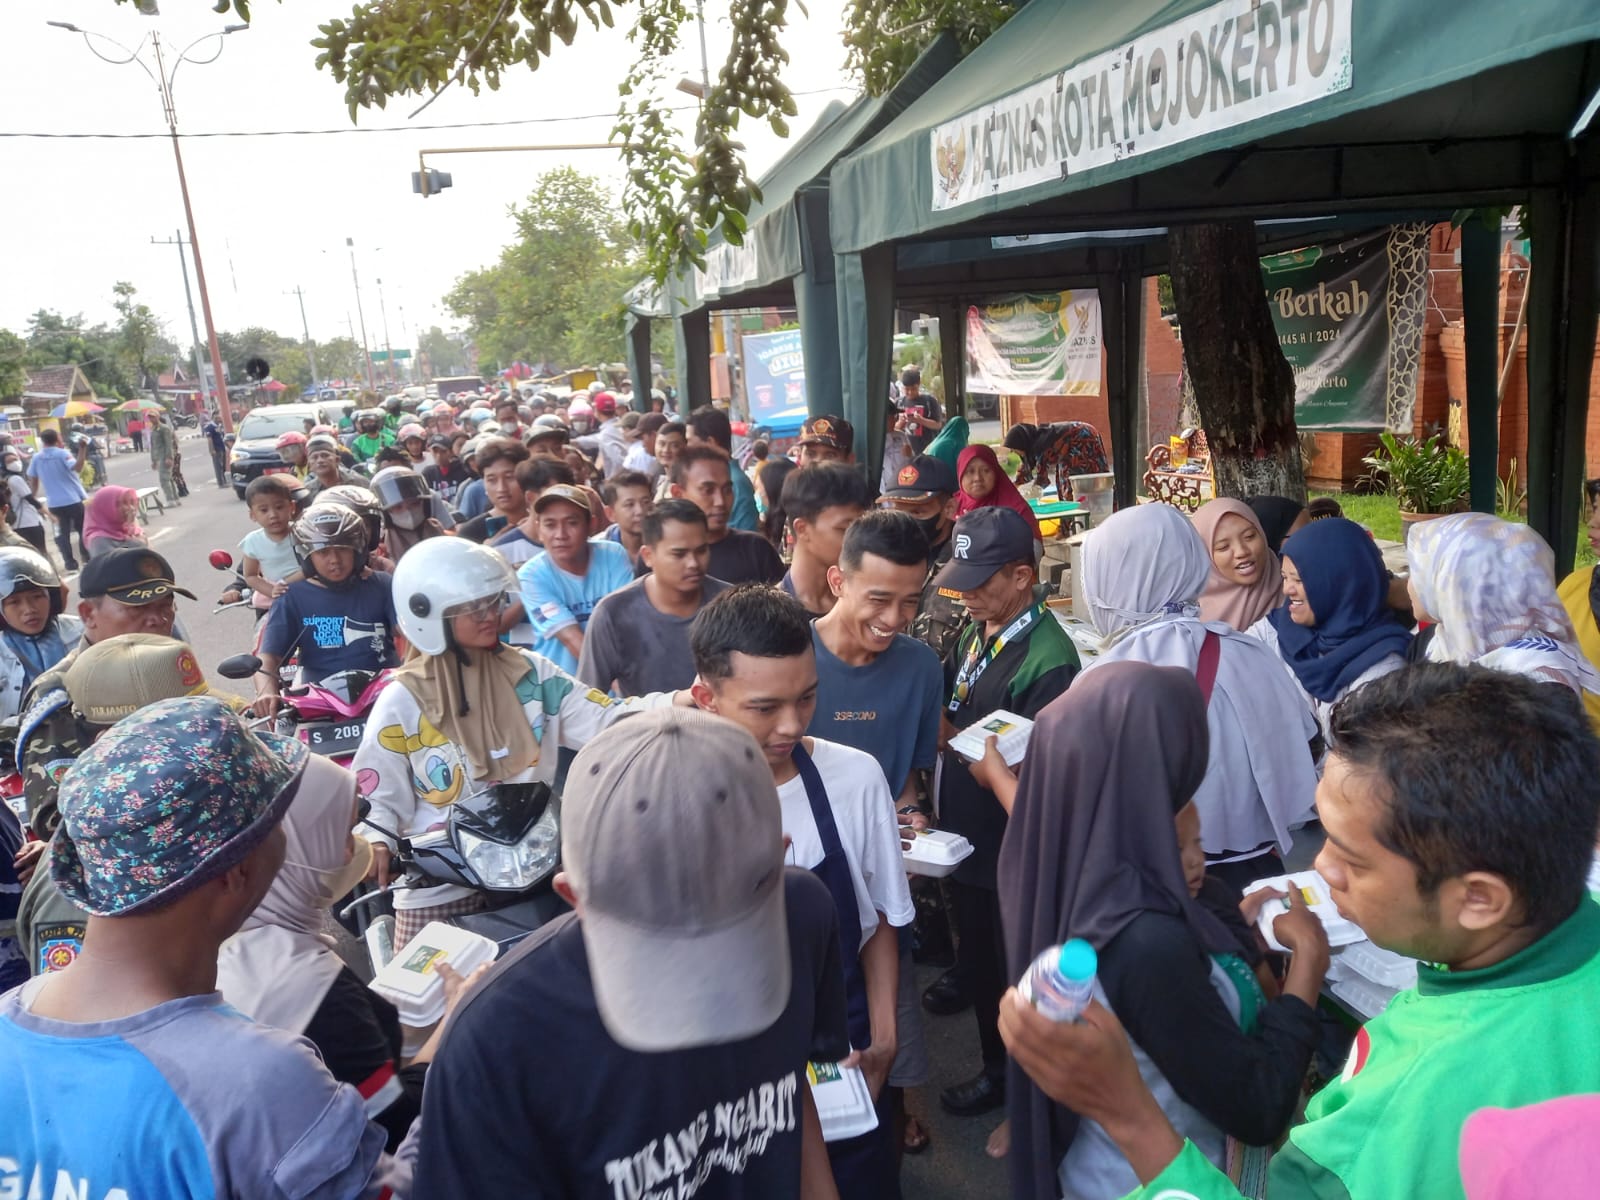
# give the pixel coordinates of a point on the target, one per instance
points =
(786, 257)
(1154, 112)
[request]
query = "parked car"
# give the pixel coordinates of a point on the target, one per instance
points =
(255, 450)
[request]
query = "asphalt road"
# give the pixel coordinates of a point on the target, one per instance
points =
(954, 1165)
(210, 519)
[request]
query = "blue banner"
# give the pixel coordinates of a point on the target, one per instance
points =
(775, 380)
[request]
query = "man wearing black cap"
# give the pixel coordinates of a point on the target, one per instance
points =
(129, 590)
(826, 439)
(446, 474)
(926, 489)
(1011, 655)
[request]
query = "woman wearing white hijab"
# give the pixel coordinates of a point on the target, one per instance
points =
(281, 969)
(1143, 572)
(1489, 587)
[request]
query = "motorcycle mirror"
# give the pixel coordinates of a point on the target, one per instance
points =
(222, 560)
(240, 666)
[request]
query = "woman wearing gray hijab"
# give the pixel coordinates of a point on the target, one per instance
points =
(1143, 572)
(1092, 852)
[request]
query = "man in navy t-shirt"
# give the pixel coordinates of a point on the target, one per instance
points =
(676, 1007)
(338, 621)
(878, 689)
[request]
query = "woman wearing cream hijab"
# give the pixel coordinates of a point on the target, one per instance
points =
(1245, 582)
(281, 968)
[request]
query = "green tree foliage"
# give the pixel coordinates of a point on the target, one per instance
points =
(555, 295)
(56, 338)
(13, 366)
(445, 352)
(141, 340)
(676, 196)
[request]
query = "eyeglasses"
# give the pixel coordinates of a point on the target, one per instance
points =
(478, 609)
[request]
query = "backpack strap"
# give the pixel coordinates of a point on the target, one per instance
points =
(1205, 672)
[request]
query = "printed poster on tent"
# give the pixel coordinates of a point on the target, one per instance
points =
(775, 379)
(1035, 344)
(1349, 318)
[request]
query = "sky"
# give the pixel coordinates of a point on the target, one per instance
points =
(273, 213)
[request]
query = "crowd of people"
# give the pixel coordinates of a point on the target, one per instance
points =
(746, 680)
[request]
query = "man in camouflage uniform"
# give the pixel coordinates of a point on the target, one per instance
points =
(926, 488)
(110, 680)
(120, 591)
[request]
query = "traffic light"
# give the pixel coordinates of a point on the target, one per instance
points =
(429, 182)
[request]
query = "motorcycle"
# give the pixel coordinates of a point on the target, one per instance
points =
(329, 715)
(503, 841)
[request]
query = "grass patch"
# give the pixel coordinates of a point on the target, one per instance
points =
(1381, 514)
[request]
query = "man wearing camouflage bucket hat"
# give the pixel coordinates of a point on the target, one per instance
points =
(170, 835)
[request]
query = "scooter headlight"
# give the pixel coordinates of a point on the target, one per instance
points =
(519, 866)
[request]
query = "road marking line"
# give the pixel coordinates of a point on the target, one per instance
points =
(161, 533)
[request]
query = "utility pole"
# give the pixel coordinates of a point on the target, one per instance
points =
(311, 354)
(188, 298)
(365, 348)
(224, 404)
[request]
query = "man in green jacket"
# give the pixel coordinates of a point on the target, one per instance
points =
(1460, 806)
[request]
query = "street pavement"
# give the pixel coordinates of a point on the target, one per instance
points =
(953, 1166)
(210, 519)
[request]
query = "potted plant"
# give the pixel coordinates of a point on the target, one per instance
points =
(1427, 479)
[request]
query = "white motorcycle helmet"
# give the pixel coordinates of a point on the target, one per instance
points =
(439, 578)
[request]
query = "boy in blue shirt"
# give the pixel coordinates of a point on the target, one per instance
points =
(340, 616)
(561, 586)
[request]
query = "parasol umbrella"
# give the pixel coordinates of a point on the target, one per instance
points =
(76, 408)
(272, 385)
(141, 404)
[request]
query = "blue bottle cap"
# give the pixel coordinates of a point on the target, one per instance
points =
(1078, 961)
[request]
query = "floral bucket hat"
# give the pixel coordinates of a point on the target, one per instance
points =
(166, 800)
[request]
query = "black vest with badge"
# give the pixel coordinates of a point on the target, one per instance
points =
(941, 615)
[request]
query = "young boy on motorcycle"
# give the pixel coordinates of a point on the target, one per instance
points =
(466, 711)
(340, 617)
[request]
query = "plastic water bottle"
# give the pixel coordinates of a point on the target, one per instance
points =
(1060, 983)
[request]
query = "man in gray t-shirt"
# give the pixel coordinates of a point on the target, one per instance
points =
(638, 637)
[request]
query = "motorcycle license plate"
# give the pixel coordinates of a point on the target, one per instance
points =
(333, 737)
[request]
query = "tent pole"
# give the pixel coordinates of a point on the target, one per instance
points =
(1122, 319)
(694, 360)
(637, 329)
(1561, 335)
(1480, 319)
(953, 356)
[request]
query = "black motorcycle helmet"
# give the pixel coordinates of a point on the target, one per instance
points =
(327, 527)
(21, 569)
(391, 405)
(360, 501)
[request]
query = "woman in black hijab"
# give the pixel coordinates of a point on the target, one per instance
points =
(1091, 851)
(1279, 517)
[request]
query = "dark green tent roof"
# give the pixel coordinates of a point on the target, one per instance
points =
(771, 254)
(1445, 100)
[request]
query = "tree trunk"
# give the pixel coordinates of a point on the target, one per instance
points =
(1243, 385)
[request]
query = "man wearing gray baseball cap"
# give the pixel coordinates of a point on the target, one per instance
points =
(654, 1041)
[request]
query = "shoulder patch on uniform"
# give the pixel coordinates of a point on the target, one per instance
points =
(37, 713)
(59, 945)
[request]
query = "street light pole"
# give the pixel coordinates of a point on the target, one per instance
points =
(365, 350)
(163, 83)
